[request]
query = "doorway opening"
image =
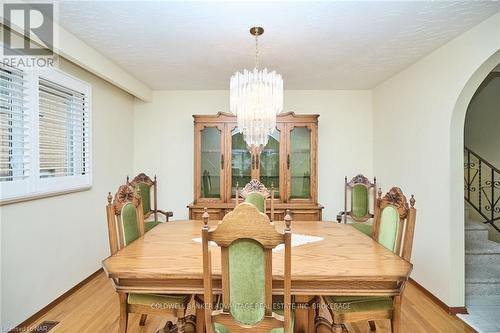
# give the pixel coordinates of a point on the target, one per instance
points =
(482, 205)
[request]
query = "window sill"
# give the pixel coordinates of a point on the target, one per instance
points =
(31, 197)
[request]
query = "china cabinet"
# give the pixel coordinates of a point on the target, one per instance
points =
(287, 164)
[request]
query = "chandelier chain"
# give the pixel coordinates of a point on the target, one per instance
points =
(257, 51)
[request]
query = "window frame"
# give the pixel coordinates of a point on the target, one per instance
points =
(33, 186)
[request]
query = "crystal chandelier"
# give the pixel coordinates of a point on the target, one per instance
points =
(256, 97)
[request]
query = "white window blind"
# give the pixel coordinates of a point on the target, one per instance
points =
(14, 125)
(64, 146)
(45, 127)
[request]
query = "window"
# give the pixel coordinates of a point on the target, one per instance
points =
(45, 142)
(63, 125)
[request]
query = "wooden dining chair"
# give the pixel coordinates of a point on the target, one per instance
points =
(246, 239)
(394, 227)
(146, 185)
(357, 207)
(125, 225)
(257, 194)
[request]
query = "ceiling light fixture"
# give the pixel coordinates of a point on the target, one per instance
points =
(256, 98)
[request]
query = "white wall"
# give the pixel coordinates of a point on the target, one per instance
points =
(418, 138)
(164, 140)
(481, 125)
(49, 245)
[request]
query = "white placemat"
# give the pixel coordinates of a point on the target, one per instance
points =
(297, 240)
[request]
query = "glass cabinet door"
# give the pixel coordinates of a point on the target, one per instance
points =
(269, 163)
(299, 162)
(211, 163)
(241, 162)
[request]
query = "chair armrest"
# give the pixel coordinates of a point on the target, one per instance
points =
(167, 214)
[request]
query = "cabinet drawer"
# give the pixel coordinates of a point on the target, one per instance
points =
(306, 215)
(197, 214)
(298, 215)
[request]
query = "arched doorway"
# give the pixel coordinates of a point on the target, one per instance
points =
(457, 161)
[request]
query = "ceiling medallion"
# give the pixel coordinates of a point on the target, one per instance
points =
(256, 98)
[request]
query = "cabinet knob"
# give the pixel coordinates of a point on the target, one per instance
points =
(222, 161)
(288, 161)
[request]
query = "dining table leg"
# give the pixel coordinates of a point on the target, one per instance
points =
(303, 320)
(200, 313)
(123, 321)
(396, 315)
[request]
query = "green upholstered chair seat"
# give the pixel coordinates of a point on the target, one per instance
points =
(257, 200)
(281, 312)
(349, 304)
(219, 328)
(153, 299)
(148, 225)
(366, 228)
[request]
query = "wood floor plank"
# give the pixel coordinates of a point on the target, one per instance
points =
(94, 309)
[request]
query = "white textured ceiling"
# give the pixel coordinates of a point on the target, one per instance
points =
(314, 45)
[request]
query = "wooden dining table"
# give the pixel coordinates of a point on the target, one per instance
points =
(167, 260)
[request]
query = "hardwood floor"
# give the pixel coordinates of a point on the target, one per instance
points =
(94, 309)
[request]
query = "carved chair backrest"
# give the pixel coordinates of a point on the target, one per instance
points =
(146, 185)
(246, 239)
(359, 187)
(394, 223)
(125, 217)
(257, 194)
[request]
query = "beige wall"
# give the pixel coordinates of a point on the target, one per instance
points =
(418, 138)
(482, 123)
(50, 245)
(164, 140)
